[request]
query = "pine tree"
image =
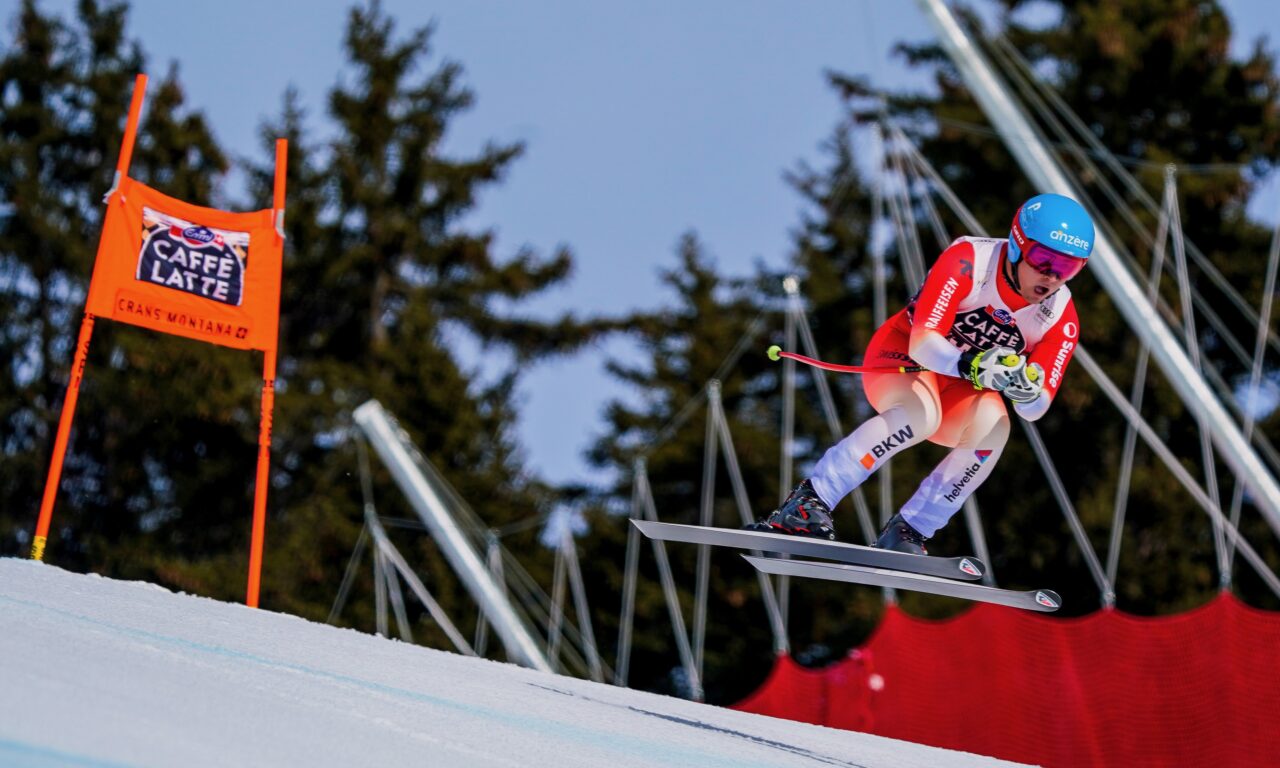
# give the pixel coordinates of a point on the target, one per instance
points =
(383, 287)
(35, 72)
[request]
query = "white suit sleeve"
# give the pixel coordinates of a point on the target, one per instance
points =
(949, 281)
(932, 350)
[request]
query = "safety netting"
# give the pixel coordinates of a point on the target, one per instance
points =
(1108, 689)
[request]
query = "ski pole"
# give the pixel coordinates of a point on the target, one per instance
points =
(776, 352)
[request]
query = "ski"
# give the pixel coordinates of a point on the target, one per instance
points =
(966, 568)
(1045, 600)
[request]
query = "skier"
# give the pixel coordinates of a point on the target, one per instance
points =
(993, 316)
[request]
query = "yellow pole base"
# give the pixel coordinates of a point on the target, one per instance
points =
(37, 548)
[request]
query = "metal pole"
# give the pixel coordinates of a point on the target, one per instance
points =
(580, 606)
(380, 590)
(794, 313)
(348, 578)
(392, 558)
(791, 286)
(1136, 394)
(1193, 353)
(629, 578)
(705, 519)
(780, 643)
(426, 501)
(493, 557)
(556, 620)
(669, 589)
(397, 606)
(1255, 373)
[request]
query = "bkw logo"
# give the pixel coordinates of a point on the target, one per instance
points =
(882, 449)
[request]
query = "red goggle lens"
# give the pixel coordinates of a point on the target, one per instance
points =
(1047, 261)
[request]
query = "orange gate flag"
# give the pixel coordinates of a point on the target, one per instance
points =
(197, 272)
(190, 271)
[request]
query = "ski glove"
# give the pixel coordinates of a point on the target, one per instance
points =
(1026, 386)
(994, 368)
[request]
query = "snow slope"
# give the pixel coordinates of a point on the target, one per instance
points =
(97, 672)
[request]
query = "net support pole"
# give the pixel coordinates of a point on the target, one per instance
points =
(398, 454)
(705, 519)
(791, 286)
(1255, 373)
(380, 591)
(392, 563)
(645, 497)
(716, 407)
(579, 591)
(630, 575)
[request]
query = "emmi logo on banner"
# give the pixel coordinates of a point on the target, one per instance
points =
(205, 262)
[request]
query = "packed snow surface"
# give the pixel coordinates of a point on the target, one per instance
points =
(98, 672)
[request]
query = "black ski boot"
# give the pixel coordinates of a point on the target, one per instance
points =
(802, 514)
(899, 536)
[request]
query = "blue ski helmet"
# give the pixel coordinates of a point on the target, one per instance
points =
(1054, 233)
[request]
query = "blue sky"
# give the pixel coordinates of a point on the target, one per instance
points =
(642, 121)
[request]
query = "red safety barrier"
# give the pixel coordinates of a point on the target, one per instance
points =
(1108, 689)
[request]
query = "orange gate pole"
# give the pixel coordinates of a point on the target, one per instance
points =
(82, 345)
(263, 479)
(60, 442)
(268, 405)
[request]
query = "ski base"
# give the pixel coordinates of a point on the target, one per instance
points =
(1044, 600)
(964, 568)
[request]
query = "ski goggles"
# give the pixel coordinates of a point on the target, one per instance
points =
(1049, 262)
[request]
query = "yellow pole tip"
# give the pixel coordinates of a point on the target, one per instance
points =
(773, 352)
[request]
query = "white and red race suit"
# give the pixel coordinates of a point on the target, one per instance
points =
(966, 303)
